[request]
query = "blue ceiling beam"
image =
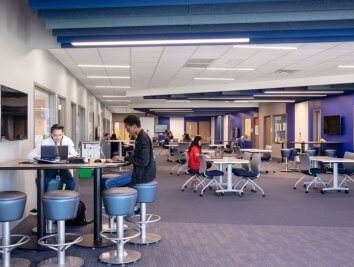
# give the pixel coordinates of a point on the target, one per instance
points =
(252, 35)
(315, 5)
(78, 4)
(129, 21)
(343, 24)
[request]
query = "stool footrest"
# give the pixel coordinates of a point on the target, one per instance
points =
(150, 218)
(23, 240)
(115, 239)
(56, 246)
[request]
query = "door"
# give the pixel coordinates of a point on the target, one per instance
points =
(267, 131)
(204, 130)
(316, 125)
(256, 132)
(192, 129)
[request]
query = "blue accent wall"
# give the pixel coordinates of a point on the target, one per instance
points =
(342, 105)
(164, 121)
(237, 122)
(219, 128)
(290, 112)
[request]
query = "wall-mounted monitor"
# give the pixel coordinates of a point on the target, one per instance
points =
(332, 125)
(14, 109)
(159, 128)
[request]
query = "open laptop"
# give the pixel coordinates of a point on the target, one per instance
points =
(54, 154)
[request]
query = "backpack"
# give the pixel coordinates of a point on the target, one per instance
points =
(80, 219)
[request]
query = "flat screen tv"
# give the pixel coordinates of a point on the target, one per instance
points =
(332, 125)
(160, 128)
(14, 107)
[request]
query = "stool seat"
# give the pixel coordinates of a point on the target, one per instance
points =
(286, 153)
(12, 205)
(61, 205)
(146, 192)
(330, 153)
(119, 201)
(311, 152)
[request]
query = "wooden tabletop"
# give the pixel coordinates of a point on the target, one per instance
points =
(16, 165)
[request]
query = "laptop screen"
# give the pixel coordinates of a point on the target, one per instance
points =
(52, 152)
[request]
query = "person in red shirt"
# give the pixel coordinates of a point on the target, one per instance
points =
(193, 152)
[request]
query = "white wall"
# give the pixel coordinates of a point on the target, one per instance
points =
(21, 67)
(301, 122)
(226, 127)
(177, 127)
(148, 124)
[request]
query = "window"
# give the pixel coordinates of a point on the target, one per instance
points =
(43, 117)
(61, 111)
(279, 128)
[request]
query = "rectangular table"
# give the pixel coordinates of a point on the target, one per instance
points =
(91, 240)
(334, 162)
(256, 150)
(229, 161)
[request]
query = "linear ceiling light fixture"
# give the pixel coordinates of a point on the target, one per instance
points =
(215, 79)
(108, 77)
(118, 100)
(163, 42)
(112, 86)
(105, 66)
(223, 69)
(113, 96)
(266, 47)
(171, 109)
(305, 95)
(265, 101)
(346, 66)
(117, 106)
(304, 92)
(178, 101)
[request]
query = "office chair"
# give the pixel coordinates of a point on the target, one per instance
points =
(312, 173)
(205, 175)
(347, 171)
(244, 167)
(266, 158)
(251, 175)
(230, 149)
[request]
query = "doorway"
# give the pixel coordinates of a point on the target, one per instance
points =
(192, 128)
(204, 130)
(256, 132)
(267, 131)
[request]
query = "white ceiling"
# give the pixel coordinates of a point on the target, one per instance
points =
(159, 70)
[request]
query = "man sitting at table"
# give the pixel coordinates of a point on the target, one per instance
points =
(144, 167)
(57, 138)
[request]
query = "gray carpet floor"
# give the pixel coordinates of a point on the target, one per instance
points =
(286, 228)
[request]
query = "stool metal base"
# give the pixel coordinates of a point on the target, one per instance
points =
(70, 261)
(150, 238)
(53, 230)
(89, 242)
(18, 262)
(111, 257)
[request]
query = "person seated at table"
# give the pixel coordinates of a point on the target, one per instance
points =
(144, 167)
(56, 138)
(186, 138)
(194, 151)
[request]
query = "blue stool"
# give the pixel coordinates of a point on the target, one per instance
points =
(311, 152)
(119, 202)
(330, 153)
(60, 206)
(146, 194)
(286, 153)
(12, 205)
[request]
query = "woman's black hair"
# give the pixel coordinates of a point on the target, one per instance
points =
(195, 142)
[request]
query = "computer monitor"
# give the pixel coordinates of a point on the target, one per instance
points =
(52, 152)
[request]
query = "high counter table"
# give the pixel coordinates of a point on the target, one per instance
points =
(91, 240)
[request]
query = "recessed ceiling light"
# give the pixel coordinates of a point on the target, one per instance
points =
(223, 69)
(118, 100)
(305, 95)
(108, 77)
(265, 101)
(346, 66)
(303, 92)
(163, 42)
(105, 66)
(266, 47)
(215, 79)
(112, 86)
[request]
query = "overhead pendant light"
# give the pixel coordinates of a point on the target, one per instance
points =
(162, 42)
